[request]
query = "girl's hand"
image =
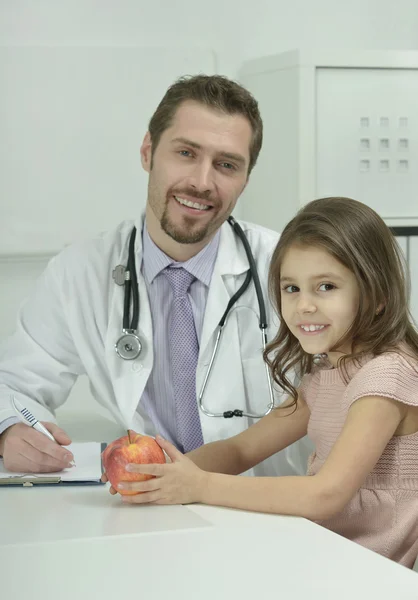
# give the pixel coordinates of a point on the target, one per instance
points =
(177, 482)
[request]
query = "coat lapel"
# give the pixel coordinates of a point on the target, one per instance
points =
(129, 376)
(231, 261)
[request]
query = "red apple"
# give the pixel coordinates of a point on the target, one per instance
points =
(131, 448)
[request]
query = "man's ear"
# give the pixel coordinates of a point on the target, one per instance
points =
(146, 151)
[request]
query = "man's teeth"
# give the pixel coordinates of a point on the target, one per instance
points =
(191, 204)
(312, 327)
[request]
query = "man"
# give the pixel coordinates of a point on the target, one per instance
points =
(202, 143)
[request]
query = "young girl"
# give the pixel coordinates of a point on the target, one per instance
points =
(337, 279)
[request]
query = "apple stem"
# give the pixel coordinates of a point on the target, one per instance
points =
(129, 436)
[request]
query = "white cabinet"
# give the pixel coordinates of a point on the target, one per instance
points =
(408, 241)
(413, 268)
(335, 123)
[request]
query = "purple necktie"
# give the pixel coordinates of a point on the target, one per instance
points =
(184, 352)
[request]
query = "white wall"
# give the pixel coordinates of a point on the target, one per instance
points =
(236, 30)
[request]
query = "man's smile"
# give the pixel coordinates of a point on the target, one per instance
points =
(192, 204)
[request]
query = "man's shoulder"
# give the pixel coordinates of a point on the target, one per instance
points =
(100, 249)
(104, 238)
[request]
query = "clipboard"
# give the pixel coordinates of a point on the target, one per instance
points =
(88, 470)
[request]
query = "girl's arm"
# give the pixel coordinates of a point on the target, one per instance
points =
(370, 424)
(269, 435)
(272, 433)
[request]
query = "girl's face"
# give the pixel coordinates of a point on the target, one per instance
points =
(319, 298)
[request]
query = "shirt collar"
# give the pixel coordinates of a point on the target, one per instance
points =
(154, 260)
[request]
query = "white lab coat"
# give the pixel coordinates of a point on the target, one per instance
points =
(71, 322)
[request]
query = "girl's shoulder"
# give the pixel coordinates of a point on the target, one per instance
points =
(398, 360)
(393, 374)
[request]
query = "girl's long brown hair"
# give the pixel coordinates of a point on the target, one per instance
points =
(358, 238)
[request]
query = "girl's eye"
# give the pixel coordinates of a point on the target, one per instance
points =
(326, 287)
(290, 289)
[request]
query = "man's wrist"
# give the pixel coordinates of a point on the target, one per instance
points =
(2, 436)
(5, 431)
(7, 423)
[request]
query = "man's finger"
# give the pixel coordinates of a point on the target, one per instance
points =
(26, 441)
(40, 462)
(27, 459)
(40, 442)
(59, 434)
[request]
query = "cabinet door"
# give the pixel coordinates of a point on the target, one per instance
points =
(409, 246)
(367, 137)
(413, 268)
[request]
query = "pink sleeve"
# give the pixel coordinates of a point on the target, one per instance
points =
(389, 375)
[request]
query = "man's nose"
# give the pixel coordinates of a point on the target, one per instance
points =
(202, 177)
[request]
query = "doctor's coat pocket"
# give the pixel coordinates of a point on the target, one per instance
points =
(255, 382)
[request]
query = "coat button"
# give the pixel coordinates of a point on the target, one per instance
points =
(137, 366)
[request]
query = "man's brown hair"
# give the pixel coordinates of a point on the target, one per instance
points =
(216, 92)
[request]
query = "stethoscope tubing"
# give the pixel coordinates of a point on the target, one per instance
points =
(236, 412)
(128, 346)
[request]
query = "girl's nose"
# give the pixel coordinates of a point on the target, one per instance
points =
(306, 304)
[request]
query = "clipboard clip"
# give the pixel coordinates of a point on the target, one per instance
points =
(26, 482)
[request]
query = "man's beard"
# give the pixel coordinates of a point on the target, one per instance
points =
(186, 234)
(189, 232)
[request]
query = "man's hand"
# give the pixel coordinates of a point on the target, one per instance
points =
(179, 481)
(25, 450)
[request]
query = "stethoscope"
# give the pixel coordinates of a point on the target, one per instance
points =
(129, 346)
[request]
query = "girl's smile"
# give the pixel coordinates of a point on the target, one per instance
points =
(312, 329)
(319, 300)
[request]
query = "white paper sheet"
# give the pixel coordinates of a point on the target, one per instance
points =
(87, 460)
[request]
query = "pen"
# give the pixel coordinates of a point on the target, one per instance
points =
(33, 422)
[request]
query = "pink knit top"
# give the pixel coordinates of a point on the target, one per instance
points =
(383, 514)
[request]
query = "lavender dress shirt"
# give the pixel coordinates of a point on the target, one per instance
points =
(158, 399)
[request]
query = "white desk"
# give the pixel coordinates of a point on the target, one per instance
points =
(80, 543)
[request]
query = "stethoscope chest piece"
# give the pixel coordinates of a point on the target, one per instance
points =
(128, 345)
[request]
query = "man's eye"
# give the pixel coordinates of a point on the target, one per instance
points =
(185, 153)
(227, 166)
(326, 287)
